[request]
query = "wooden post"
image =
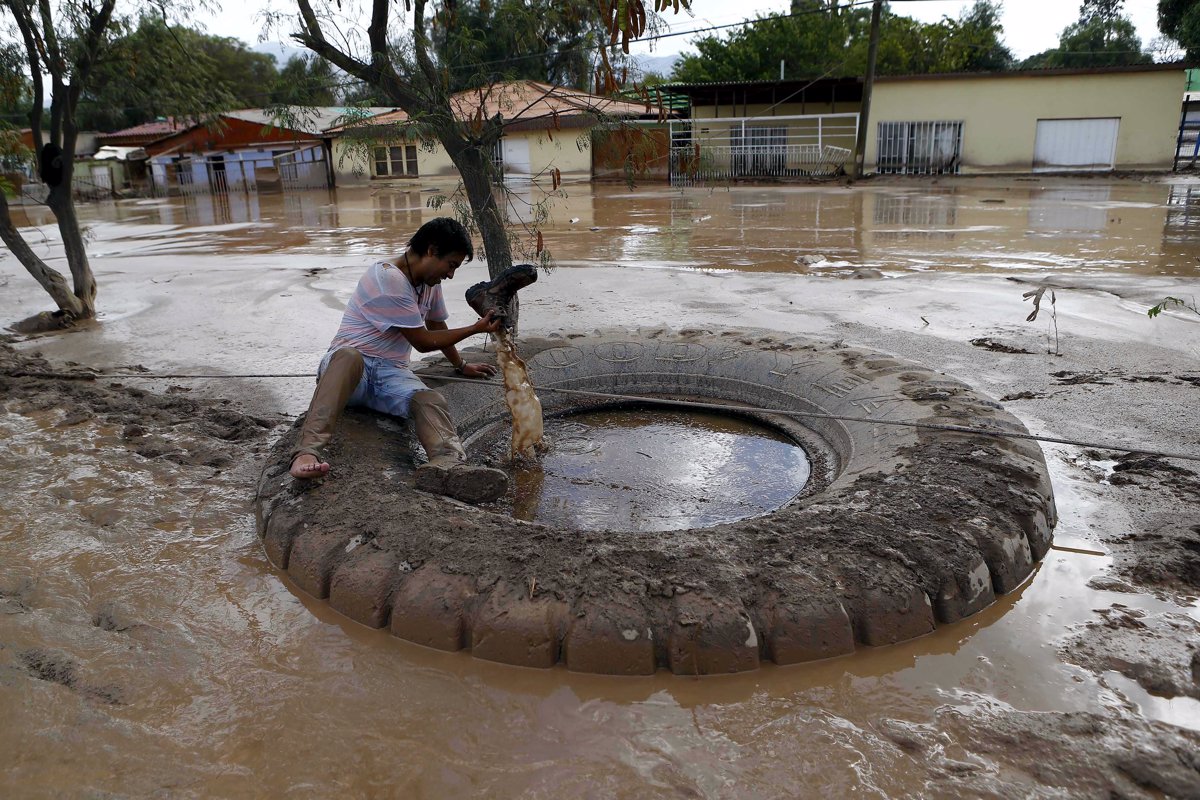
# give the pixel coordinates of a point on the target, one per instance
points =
(864, 116)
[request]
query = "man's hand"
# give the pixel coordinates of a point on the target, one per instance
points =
(477, 370)
(489, 323)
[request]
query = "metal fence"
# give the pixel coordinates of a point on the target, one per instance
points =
(757, 148)
(303, 169)
(919, 148)
(1187, 143)
(81, 189)
(306, 168)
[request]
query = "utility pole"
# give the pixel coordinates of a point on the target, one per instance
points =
(864, 116)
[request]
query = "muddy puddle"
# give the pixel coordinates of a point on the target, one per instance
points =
(642, 469)
(148, 649)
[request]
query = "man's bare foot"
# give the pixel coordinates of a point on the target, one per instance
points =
(306, 466)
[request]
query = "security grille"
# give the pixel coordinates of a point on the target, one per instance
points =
(919, 148)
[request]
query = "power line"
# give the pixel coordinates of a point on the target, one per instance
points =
(992, 432)
(350, 81)
(465, 68)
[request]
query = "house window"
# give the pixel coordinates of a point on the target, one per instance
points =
(396, 161)
(920, 148)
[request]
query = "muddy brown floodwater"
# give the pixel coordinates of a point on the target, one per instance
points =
(643, 469)
(148, 649)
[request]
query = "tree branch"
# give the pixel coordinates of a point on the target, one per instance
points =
(51, 280)
(92, 42)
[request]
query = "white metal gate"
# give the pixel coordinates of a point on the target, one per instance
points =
(738, 148)
(1076, 144)
(516, 156)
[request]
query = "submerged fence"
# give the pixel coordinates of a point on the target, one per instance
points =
(81, 189)
(247, 171)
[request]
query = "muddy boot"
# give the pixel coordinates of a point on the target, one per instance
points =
(497, 294)
(469, 483)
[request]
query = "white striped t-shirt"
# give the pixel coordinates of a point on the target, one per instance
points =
(383, 302)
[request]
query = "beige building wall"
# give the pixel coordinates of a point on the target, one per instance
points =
(349, 166)
(352, 167)
(562, 151)
(1000, 114)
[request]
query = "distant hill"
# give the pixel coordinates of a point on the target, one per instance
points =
(281, 52)
(661, 65)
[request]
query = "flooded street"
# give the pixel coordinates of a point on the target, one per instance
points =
(147, 647)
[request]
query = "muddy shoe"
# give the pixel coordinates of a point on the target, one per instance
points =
(497, 294)
(469, 483)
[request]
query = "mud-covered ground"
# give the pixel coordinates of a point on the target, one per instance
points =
(146, 648)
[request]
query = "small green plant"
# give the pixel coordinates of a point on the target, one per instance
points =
(1169, 301)
(1036, 295)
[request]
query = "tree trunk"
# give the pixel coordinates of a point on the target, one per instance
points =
(51, 280)
(63, 206)
(476, 171)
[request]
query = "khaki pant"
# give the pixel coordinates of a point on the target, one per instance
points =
(427, 409)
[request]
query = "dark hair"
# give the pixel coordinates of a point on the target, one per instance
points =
(446, 234)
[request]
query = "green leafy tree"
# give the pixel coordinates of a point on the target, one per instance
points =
(481, 41)
(61, 44)
(972, 43)
(159, 70)
(16, 93)
(16, 90)
(809, 43)
(827, 39)
(1180, 20)
(1102, 37)
(306, 81)
(244, 74)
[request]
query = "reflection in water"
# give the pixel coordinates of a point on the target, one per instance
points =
(654, 470)
(922, 210)
(986, 225)
(907, 216)
(395, 209)
(1077, 212)
(1182, 228)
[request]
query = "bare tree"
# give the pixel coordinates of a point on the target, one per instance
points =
(62, 44)
(398, 60)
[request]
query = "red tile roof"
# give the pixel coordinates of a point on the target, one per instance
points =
(520, 101)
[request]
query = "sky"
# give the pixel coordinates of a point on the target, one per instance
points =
(1030, 26)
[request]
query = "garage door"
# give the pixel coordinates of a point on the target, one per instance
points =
(1075, 144)
(516, 157)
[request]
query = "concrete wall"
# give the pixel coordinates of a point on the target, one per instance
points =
(352, 167)
(562, 151)
(1000, 114)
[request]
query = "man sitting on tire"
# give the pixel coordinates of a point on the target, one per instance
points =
(398, 306)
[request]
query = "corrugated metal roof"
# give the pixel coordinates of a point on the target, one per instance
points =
(1046, 71)
(160, 127)
(1041, 72)
(307, 120)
